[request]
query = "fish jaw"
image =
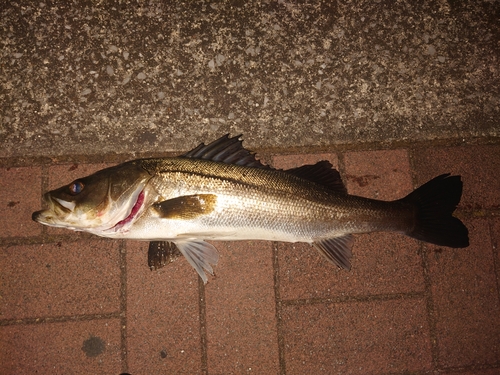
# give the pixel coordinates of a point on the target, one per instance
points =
(59, 213)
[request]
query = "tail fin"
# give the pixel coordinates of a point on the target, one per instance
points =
(435, 202)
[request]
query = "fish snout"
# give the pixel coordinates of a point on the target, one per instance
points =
(35, 216)
(44, 216)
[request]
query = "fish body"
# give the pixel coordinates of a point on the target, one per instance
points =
(221, 192)
(189, 198)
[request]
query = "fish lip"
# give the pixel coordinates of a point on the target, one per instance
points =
(35, 216)
(41, 215)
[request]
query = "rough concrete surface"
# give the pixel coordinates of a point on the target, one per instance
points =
(132, 77)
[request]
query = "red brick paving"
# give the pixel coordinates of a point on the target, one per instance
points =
(493, 371)
(292, 161)
(378, 174)
(466, 300)
(78, 304)
(58, 348)
(20, 190)
(372, 337)
(59, 279)
(241, 316)
(382, 263)
(163, 322)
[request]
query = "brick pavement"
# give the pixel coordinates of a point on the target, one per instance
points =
(74, 303)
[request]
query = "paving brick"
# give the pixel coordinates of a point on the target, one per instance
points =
(163, 324)
(297, 160)
(383, 263)
(357, 338)
(478, 166)
(60, 175)
(378, 174)
(19, 197)
(466, 302)
(495, 240)
(82, 347)
(241, 313)
(59, 279)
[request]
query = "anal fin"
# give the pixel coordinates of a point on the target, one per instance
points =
(200, 255)
(337, 250)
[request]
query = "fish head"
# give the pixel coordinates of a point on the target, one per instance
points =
(106, 201)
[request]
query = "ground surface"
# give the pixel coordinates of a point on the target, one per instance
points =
(391, 95)
(160, 76)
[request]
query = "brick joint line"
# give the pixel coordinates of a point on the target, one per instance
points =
(123, 305)
(203, 326)
(59, 319)
(349, 299)
(278, 307)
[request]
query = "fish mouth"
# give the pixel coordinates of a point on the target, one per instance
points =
(37, 216)
(55, 213)
(47, 215)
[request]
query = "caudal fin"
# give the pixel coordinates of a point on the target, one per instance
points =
(435, 202)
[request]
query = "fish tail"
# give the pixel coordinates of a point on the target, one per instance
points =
(434, 203)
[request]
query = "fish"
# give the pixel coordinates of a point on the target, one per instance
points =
(221, 191)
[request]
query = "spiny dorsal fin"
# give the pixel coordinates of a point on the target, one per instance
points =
(225, 150)
(320, 173)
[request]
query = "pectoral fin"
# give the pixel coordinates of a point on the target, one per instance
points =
(337, 250)
(200, 255)
(186, 207)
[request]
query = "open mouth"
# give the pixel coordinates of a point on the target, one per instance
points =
(47, 215)
(133, 213)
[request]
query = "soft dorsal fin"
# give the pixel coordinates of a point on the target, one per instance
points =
(225, 150)
(320, 173)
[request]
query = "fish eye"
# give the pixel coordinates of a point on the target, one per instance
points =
(76, 187)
